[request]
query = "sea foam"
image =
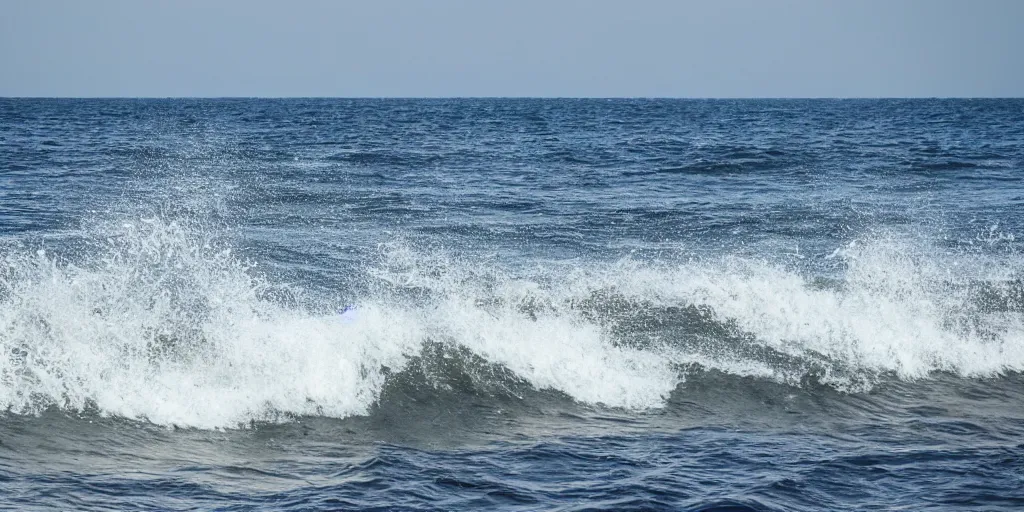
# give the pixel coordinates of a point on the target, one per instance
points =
(161, 322)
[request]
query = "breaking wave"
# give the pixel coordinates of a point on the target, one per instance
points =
(160, 321)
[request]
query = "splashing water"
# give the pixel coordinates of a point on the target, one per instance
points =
(166, 324)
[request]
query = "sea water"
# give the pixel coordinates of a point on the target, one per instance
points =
(561, 304)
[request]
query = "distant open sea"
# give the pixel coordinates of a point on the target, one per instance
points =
(564, 304)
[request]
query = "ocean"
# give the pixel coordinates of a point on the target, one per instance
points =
(553, 304)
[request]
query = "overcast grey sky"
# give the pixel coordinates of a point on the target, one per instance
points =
(731, 48)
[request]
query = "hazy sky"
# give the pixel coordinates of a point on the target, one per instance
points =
(803, 48)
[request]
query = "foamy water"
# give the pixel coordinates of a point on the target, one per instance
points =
(164, 324)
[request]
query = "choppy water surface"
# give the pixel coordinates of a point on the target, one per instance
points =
(560, 304)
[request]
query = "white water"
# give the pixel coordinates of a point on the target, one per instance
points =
(165, 325)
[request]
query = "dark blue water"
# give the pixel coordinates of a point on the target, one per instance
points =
(559, 304)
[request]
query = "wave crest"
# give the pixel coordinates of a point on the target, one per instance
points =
(160, 321)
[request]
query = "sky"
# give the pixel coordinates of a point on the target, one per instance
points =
(455, 48)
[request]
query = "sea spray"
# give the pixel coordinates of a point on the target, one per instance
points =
(161, 325)
(161, 322)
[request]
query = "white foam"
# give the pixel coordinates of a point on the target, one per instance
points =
(167, 325)
(166, 328)
(559, 352)
(900, 309)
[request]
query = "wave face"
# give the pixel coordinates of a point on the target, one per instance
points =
(615, 304)
(163, 323)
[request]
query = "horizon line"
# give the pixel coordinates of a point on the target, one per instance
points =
(517, 97)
